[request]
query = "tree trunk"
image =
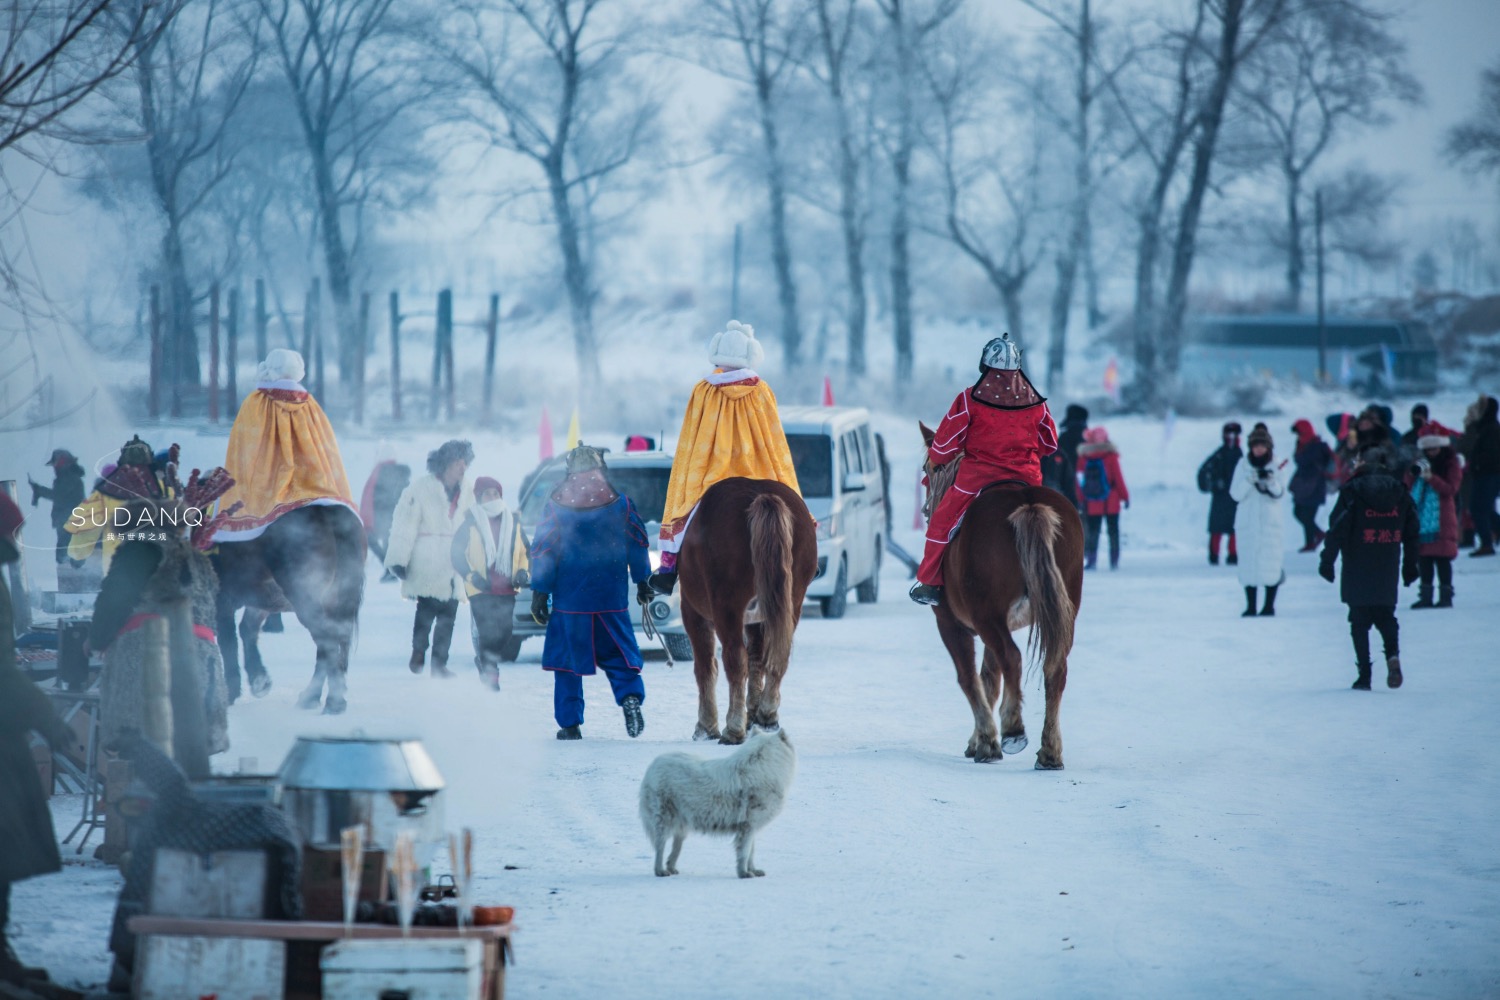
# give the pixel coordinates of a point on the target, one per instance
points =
(1067, 260)
(1296, 263)
(781, 249)
(1010, 299)
(854, 247)
(901, 214)
(1185, 248)
(576, 277)
(336, 259)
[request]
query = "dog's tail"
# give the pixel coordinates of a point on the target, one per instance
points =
(1038, 528)
(771, 556)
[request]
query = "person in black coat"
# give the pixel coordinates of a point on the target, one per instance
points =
(1481, 449)
(1309, 486)
(1059, 469)
(28, 845)
(1374, 525)
(1214, 477)
(66, 493)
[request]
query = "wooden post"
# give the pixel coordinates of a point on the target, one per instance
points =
(213, 354)
(437, 361)
(396, 356)
(153, 394)
(359, 357)
(445, 320)
(491, 335)
(232, 349)
(307, 324)
(262, 320)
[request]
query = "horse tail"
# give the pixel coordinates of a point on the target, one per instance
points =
(771, 558)
(1038, 527)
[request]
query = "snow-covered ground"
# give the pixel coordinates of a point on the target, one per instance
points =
(1233, 821)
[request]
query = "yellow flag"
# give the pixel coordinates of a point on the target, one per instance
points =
(574, 437)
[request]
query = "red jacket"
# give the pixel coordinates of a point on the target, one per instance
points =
(1102, 448)
(997, 443)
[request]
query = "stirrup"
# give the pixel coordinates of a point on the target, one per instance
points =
(926, 593)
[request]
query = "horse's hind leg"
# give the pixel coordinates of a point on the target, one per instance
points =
(761, 713)
(229, 649)
(255, 667)
(984, 744)
(333, 664)
(731, 632)
(1050, 757)
(705, 671)
(312, 695)
(1012, 729)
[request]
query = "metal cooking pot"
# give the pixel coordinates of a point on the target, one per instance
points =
(358, 763)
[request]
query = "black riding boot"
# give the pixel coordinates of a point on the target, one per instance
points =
(1249, 611)
(1268, 609)
(1445, 598)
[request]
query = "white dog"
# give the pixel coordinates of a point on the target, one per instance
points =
(737, 794)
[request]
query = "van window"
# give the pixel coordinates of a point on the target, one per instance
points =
(867, 449)
(812, 456)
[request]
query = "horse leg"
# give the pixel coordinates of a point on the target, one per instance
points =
(984, 744)
(255, 667)
(705, 671)
(333, 662)
(1012, 729)
(229, 649)
(1049, 757)
(731, 630)
(761, 716)
(312, 695)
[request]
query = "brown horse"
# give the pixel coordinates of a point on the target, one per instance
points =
(1018, 561)
(749, 539)
(310, 560)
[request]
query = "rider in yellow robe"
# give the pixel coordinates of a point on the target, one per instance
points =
(282, 452)
(731, 428)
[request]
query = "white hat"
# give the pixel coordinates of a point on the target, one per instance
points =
(1433, 441)
(280, 364)
(736, 347)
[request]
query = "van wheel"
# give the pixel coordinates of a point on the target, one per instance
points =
(512, 649)
(835, 604)
(869, 591)
(680, 646)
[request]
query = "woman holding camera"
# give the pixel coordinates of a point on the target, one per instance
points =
(1434, 481)
(1258, 489)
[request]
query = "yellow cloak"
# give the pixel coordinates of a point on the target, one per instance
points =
(728, 430)
(282, 455)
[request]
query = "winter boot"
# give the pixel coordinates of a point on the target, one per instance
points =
(1090, 560)
(1362, 682)
(1424, 597)
(418, 660)
(1487, 549)
(1249, 611)
(576, 733)
(1268, 609)
(635, 723)
(1445, 598)
(1233, 560)
(440, 668)
(1393, 671)
(926, 593)
(489, 673)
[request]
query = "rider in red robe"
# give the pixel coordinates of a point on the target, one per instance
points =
(1003, 429)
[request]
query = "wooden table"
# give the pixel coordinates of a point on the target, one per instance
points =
(316, 935)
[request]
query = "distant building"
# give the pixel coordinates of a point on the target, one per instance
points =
(1375, 356)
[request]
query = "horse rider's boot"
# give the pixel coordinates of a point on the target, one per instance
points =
(570, 733)
(926, 593)
(1362, 682)
(1445, 598)
(418, 660)
(1268, 609)
(1393, 671)
(663, 581)
(635, 723)
(1424, 597)
(440, 668)
(1249, 611)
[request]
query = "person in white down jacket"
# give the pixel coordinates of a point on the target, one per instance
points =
(1258, 488)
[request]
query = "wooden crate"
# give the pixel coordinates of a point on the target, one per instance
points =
(323, 882)
(431, 968)
(185, 967)
(222, 884)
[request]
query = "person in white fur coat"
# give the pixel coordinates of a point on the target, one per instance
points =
(1258, 488)
(427, 516)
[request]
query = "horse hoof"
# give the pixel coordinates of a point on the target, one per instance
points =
(699, 733)
(732, 739)
(969, 751)
(1013, 744)
(1042, 765)
(335, 706)
(260, 686)
(310, 700)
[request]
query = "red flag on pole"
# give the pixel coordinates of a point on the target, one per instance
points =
(544, 435)
(827, 391)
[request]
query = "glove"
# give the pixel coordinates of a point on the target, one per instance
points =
(479, 582)
(399, 572)
(644, 592)
(539, 611)
(1408, 574)
(1125, 504)
(520, 579)
(1325, 570)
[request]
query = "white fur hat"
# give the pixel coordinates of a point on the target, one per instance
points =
(736, 347)
(281, 364)
(1433, 441)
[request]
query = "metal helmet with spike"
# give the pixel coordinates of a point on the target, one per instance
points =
(1001, 353)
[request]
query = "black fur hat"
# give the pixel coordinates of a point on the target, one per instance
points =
(448, 453)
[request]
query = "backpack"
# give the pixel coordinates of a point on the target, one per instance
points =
(1095, 480)
(1206, 477)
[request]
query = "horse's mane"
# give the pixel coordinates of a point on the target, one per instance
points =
(939, 481)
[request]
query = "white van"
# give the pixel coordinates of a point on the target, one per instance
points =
(838, 464)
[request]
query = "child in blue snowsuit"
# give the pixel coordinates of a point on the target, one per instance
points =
(589, 545)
